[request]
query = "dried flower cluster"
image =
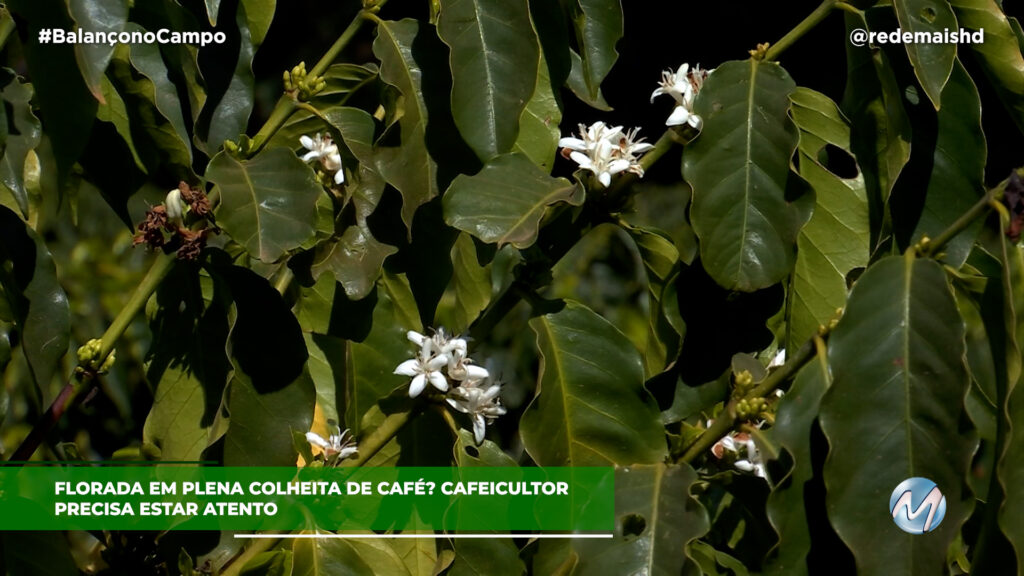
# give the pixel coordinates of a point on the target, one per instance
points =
(444, 364)
(164, 225)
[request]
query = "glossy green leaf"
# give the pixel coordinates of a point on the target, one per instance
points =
(327, 370)
(665, 326)
(591, 408)
(275, 563)
(370, 364)
(355, 260)
(468, 454)
(894, 411)
(955, 164)
(34, 296)
(419, 555)
(471, 283)
(263, 422)
(152, 100)
(505, 201)
(410, 168)
(538, 125)
(259, 14)
(494, 57)
(107, 16)
(739, 168)
(598, 27)
(1010, 466)
(18, 96)
(787, 504)
(879, 128)
(330, 556)
(113, 110)
(268, 203)
(1000, 54)
(226, 118)
(836, 239)
(67, 107)
(486, 557)
(212, 9)
(188, 367)
(655, 518)
(932, 61)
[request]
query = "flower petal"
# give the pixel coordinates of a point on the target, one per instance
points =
(310, 156)
(605, 178)
(476, 372)
(417, 386)
(437, 362)
(572, 144)
(317, 440)
(306, 142)
(679, 116)
(582, 159)
(339, 176)
(347, 451)
(479, 428)
(408, 368)
(437, 380)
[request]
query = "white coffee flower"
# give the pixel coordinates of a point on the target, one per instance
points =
(630, 148)
(322, 148)
(480, 401)
(683, 85)
(590, 137)
(174, 205)
(741, 446)
(605, 151)
(424, 368)
(340, 445)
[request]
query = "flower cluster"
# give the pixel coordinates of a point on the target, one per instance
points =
(683, 85)
(605, 150)
(739, 448)
(336, 447)
(442, 362)
(321, 147)
(165, 226)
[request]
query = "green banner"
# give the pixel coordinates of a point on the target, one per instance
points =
(337, 499)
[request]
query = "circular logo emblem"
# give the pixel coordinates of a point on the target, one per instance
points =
(917, 505)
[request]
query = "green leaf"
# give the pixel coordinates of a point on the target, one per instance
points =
(331, 556)
(258, 15)
(115, 112)
(67, 107)
(999, 55)
(370, 364)
(665, 326)
(409, 167)
(468, 454)
(789, 502)
(188, 367)
(655, 518)
(419, 555)
(836, 239)
(152, 101)
(342, 81)
(226, 118)
(505, 201)
(490, 557)
(879, 127)
(894, 411)
(18, 96)
(268, 203)
(739, 168)
(1010, 467)
(494, 57)
(33, 294)
(275, 563)
(932, 62)
(471, 283)
(107, 16)
(591, 408)
(263, 422)
(355, 260)
(538, 125)
(954, 161)
(212, 8)
(598, 27)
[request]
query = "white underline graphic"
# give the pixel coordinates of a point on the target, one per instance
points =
(435, 536)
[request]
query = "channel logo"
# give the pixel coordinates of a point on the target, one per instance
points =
(917, 505)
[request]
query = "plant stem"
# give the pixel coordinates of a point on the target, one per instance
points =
(812, 20)
(286, 105)
(979, 209)
(381, 435)
(727, 419)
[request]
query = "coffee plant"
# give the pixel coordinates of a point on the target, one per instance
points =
(763, 267)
